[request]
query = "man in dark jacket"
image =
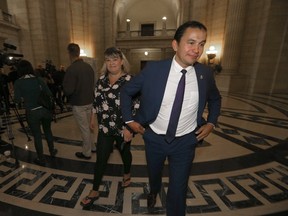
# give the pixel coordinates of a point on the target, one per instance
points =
(78, 86)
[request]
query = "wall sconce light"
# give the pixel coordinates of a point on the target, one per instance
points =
(164, 18)
(128, 25)
(211, 54)
(146, 53)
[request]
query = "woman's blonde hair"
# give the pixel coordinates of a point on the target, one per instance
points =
(115, 52)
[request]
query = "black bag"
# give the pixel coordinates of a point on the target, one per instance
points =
(45, 100)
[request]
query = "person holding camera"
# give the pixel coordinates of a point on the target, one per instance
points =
(4, 91)
(27, 89)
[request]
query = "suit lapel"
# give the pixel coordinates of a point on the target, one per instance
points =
(163, 74)
(162, 77)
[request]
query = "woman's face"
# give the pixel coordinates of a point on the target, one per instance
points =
(114, 64)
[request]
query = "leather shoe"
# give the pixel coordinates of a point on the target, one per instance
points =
(53, 153)
(151, 200)
(81, 155)
(40, 162)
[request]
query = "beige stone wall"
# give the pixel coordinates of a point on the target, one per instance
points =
(250, 36)
(136, 56)
(263, 49)
(18, 9)
(9, 33)
(148, 11)
(213, 15)
(63, 25)
(47, 27)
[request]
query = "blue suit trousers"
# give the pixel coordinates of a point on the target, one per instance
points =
(180, 154)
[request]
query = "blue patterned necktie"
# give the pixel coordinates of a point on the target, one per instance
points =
(176, 109)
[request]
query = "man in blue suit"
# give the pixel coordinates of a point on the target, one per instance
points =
(157, 84)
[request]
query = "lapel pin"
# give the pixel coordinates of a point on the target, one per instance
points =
(201, 77)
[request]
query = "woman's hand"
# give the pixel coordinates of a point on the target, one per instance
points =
(127, 135)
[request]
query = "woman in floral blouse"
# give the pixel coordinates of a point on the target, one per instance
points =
(110, 124)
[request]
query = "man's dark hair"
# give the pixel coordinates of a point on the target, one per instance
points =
(189, 24)
(24, 67)
(73, 49)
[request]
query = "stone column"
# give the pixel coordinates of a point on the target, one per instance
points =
(164, 29)
(232, 38)
(63, 15)
(128, 54)
(96, 31)
(233, 35)
(128, 28)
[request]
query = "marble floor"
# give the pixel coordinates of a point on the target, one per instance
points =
(240, 169)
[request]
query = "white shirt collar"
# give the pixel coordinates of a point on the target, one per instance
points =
(28, 76)
(178, 67)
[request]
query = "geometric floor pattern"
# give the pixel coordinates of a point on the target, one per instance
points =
(240, 169)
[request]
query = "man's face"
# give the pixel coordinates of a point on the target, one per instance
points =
(190, 47)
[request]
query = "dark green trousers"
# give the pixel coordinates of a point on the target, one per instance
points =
(36, 119)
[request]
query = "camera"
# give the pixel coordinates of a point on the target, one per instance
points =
(7, 58)
(49, 67)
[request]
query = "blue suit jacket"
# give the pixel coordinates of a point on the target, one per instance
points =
(151, 83)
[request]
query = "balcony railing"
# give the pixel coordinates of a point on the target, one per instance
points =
(137, 34)
(135, 40)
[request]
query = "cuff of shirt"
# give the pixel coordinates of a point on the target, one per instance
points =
(211, 124)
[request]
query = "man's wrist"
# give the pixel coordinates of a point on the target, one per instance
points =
(211, 124)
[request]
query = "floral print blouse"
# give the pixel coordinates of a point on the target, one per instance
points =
(107, 105)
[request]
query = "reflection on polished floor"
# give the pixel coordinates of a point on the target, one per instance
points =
(240, 169)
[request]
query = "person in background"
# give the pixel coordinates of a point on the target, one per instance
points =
(4, 90)
(110, 124)
(167, 135)
(12, 77)
(58, 77)
(27, 89)
(78, 85)
(40, 71)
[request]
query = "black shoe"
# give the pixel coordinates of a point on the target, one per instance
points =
(40, 162)
(81, 155)
(53, 153)
(90, 199)
(151, 200)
